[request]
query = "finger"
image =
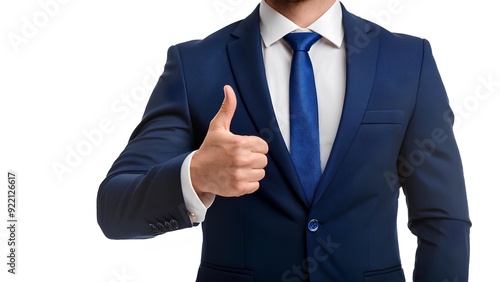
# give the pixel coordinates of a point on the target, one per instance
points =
(252, 187)
(258, 160)
(256, 175)
(258, 145)
(226, 112)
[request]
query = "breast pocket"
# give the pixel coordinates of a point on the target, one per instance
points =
(384, 117)
(378, 140)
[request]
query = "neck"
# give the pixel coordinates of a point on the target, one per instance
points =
(302, 12)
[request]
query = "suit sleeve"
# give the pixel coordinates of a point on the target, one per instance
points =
(141, 196)
(432, 179)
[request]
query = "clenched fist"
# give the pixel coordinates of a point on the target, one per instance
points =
(226, 164)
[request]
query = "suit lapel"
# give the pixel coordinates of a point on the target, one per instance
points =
(245, 56)
(362, 53)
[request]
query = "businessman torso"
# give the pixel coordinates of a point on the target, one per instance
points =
(394, 131)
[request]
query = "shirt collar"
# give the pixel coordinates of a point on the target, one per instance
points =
(273, 25)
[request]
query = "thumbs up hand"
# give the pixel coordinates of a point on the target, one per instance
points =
(226, 164)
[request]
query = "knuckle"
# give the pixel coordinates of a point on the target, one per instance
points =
(240, 142)
(238, 175)
(238, 161)
(212, 123)
(240, 188)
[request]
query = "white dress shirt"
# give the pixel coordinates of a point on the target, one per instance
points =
(328, 58)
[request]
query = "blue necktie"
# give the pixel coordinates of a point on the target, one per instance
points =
(304, 128)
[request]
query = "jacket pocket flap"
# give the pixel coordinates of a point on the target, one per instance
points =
(392, 274)
(383, 116)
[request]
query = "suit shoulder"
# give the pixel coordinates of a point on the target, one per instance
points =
(385, 36)
(394, 43)
(394, 49)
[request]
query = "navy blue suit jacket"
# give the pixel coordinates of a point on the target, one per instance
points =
(395, 131)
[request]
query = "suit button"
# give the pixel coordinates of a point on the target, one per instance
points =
(313, 225)
(154, 228)
(174, 224)
(161, 227)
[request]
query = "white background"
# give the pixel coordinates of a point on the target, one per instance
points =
(66, 67)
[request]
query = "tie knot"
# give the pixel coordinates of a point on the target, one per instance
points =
(301, 41)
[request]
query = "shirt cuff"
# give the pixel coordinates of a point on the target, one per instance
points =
(196, 206)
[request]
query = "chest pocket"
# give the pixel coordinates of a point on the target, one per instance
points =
(383, 117)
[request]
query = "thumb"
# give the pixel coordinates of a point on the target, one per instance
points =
(226, 112)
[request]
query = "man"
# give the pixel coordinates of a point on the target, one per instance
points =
(296, 176)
